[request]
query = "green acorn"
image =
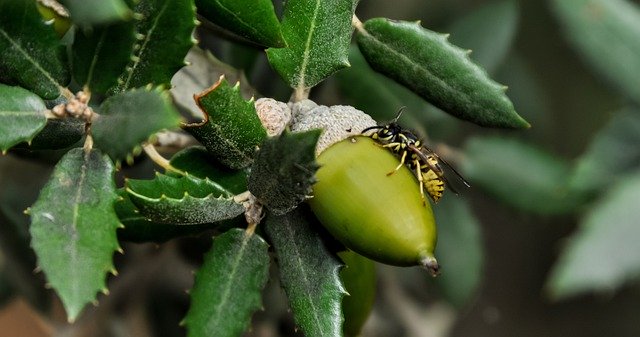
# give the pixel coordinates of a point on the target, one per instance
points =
(377, 215)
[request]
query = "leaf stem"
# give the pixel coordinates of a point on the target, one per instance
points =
(157, 158)
(357, 24)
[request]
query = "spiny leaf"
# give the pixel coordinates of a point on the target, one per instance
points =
(228, 286)
(164, 36)
(101, 54)
(73, 227)
(308, 272)
(282, 175)
(58, 134)
(603, 254)
(612, 153)
(426, 63)
(186, 200)
(231, 130)
(520, 175)
(605, 33)
(138, 228)
(130, 118)
(318, 33)
(30, 53)
(21, 116)
(197, 162)
(254, 20)
(93, 12)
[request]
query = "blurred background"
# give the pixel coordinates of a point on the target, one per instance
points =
(545, 243)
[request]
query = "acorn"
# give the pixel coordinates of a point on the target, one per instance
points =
(378, 215)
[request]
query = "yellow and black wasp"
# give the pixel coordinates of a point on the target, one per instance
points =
(423, 161)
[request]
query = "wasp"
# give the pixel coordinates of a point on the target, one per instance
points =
(422, 160)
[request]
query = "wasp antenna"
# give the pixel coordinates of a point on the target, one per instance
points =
(399, 113)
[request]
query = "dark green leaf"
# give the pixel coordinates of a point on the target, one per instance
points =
(228, 286)
(138, 228)
(101, 54)
(605, 33)
(318, 34)
(458, 227)
(426, 63)
(359, 279)
(254, 20)
(58, 134)
(231, 130)
(30, 53)
(164, 36)
(489, 32)
(603, 254)
(73, 228)
(308, 272)
(184, 201)
(519, 175)
(198, 162)
(21, 116)
(612, 153)
(282, 175)
(130, 118)
(93, 12)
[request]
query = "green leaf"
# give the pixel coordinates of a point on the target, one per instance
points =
(359, 279)
(73, 228)
(231, 130)
(442, 74)
(165, 37)
(605, 33)
(183, 201)
(202, 70)
(199, 163)
(308, 272)
(458, 227)
(612, 153)
(93, 12)
(603, 254)
(101, 54)
(282, 175)
(58, 134)
(21, 116)
(519, 175)
(254, 20)
(138, 228)
(488, 31)
(30, 53)
(318, 34)
(130, 118)
(228, 286)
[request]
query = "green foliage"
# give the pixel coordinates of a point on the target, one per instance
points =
(308, 272)
(30, 53)
(185, 201)
(359, 278)
(164, 38)
(58, 134)
(603, 254)
(92, 12)
(73, 228)
(231, 129)
(317, 34)
(251, 19)
(101, 54)
(605, 33)
(130, 118)
(536, 183)
(426, 63)
(284, 170)
(228, 286)
(21, 116)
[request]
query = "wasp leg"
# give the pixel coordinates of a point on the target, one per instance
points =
(402, 159)
(420, 181)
